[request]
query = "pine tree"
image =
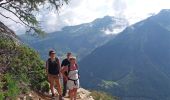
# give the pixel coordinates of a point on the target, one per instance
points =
(23, 10)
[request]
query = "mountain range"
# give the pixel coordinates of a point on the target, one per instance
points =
(22, 75)
(80, 39)
(135, 65)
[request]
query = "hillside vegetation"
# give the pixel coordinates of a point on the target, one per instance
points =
(21, 69)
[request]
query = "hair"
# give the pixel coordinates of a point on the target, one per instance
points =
(72, 58)
(69, 53)
(50, 52)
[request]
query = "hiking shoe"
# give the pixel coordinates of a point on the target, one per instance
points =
(53, 95)
(61, 97)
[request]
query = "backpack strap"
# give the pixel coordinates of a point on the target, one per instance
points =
(75, 81)
(58, 62)
(70, 69)
(56, 59)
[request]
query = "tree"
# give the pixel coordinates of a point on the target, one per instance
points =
(24, 9)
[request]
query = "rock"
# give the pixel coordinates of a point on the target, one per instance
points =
(7, 33)
(83, 95)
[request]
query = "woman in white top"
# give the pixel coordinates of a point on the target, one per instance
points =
(72, 77)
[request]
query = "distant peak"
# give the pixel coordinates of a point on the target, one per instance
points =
(165, 11)
(107, 16)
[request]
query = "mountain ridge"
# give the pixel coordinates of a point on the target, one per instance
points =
(133, 65)
(80, 39)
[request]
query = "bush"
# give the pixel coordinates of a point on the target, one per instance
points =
(45, 86)
(98, 95)
(24, 69)
(12, 86)
(2, 97)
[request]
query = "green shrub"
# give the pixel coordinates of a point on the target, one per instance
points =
(12, 86)
(25, 69)
(2, 97)
(45, 86)
(98, 95)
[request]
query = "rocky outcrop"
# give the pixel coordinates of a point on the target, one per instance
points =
(82, 95)
(7, 33)
(5, 54)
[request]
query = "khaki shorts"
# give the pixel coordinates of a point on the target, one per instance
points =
(52, 77)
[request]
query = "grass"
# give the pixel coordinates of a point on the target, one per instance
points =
(98, 95)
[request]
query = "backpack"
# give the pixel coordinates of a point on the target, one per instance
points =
(75, 81)
(69, 68)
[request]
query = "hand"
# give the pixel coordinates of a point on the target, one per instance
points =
(60, 75)
(65, 78)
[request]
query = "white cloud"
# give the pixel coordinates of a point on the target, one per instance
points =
(83, 11)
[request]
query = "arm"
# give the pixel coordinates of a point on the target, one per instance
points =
(63, 70)
(46, 67)
(78, 70)
(62, 64)
(60, 74)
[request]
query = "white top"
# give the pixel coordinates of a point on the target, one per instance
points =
(73, 74)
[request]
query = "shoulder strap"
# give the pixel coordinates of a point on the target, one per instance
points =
(57, 60)
(68, 68)
(47, 62)
(77, 66)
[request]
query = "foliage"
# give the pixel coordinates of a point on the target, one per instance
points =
(107, 84)
(24, 69)
(12, 86)
(1, 92)
(1, 96)
(25, 11)
(98, 95)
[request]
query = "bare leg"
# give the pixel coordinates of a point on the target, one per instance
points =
(71, 94)
(75, 93)
(58, 87)
(51, 85)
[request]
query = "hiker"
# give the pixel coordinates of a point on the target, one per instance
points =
(72, 77)
(65, 62)
(53, 72)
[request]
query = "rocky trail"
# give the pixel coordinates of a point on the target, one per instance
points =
(82, 95)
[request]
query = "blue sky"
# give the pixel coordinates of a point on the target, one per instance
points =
(83, 11)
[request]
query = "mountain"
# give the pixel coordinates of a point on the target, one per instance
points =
(79, 39)
(135, 65)
(22, 74)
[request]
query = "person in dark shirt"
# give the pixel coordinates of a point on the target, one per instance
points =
(65, 62)
(53, 72)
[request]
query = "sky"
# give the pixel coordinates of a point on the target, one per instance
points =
(84, 11)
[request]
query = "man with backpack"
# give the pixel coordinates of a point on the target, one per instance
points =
(53, 72)
(65, 62)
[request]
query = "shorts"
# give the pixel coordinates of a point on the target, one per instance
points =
(52, 77)
(71, 84)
